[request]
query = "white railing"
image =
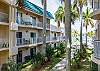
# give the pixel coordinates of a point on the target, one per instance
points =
(4, 45)
(48, 26)
(48, 38)
(4, 17)
(97, 48)
(96, 5)
(39, 24)
(39, 39)
(26, 21)
(23, 41)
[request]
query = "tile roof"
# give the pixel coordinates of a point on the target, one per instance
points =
(32, 7)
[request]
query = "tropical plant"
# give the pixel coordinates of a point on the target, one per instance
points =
(87, 20)
(11, 66)
(49, 52)
(90, 34)
(60, 17)
(80, 4)
(38, 59)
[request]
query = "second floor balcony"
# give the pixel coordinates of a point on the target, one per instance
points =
(23, 41)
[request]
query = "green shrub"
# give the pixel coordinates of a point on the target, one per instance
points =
(13, 66)
(49, 52)
(38, 59)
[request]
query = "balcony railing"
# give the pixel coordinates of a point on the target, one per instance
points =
(4, 17)
(48, 38)
(96, 5)
(48, 26)
(23, 41)
(97, 49)
(40, 24)
(33, 40)
(39, 39)
(26, 21)
(4, 45)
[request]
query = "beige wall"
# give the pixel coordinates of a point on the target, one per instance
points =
(3, 57)
(25, 52)
(4, 33)
(4, 7)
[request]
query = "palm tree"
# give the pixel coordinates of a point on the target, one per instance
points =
(59, 15)
(67, 15)
(80, 4)
(67, 31)
(87, 20)
(44, 24)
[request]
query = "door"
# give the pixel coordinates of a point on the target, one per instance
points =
(19, 57)
(33, 36)
(19, 38)
(32, 51)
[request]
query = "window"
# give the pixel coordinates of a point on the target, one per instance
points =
(19, 34)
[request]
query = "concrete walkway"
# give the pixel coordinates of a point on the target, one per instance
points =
(61, 66)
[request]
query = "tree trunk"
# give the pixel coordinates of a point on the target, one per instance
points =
(44, 26)
(67, 32)
(81, 27)
(86, 36)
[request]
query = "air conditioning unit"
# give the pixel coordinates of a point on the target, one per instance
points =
(13, 26)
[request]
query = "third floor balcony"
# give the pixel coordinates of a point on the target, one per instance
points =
(4, 17)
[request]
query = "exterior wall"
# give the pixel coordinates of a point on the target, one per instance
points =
(4, 33)
(4, 8)
(3, 57)
(25, 52)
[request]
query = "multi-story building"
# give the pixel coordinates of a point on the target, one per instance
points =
(96, 17)
(21, 30)
(56, 34)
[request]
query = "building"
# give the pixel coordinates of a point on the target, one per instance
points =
(96, 17)
(56, 34)
(21, 30)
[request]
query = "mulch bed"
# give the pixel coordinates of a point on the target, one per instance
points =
(42, 67)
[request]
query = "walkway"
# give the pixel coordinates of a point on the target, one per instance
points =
(61, 66)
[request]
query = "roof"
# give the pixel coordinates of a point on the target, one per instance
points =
(32, 7)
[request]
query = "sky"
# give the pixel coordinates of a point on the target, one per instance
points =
(52, 6)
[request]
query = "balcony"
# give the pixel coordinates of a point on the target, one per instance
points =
(4, 17)
(4, 46)
(97, 49)
(40, 40)
(48, 38)
(23, 41)
(26, 21)
(48, 27)
(40, 24)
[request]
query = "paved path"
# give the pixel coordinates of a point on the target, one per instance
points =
(61, 66)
